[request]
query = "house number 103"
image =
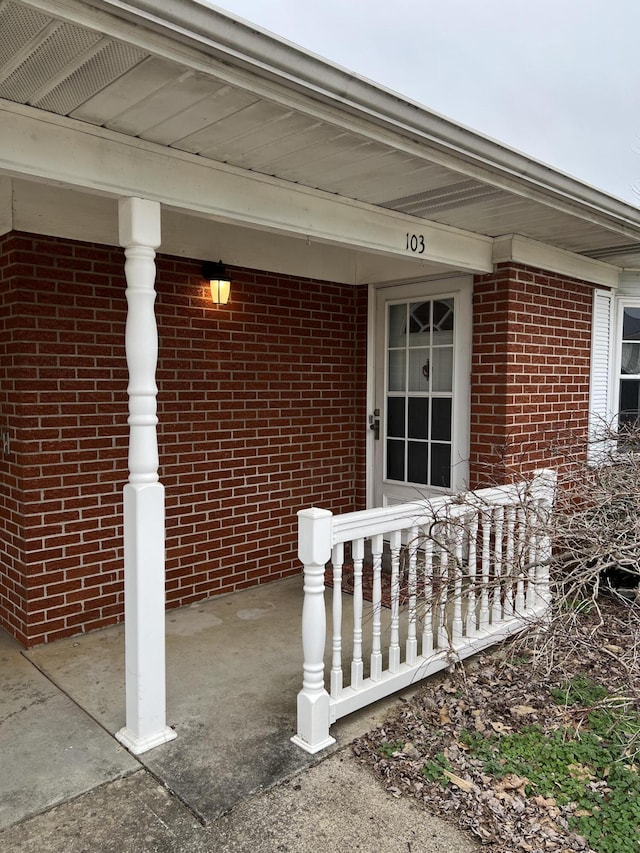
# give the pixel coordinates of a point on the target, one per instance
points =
(415, 244)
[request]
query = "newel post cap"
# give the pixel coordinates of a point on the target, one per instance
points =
(314, 535)
(139, 222)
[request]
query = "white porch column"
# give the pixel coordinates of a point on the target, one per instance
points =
(144, 517)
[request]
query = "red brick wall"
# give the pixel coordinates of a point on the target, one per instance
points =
(12, 560)
(530, 374)
(259, 416)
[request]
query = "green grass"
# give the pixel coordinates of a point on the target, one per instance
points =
(568, 763)
(388, 748)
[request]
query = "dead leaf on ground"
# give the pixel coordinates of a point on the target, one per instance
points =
(512, 782)
(522, 710)
(459, 782)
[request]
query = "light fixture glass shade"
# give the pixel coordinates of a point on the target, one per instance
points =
(220, 290)
(219, 282)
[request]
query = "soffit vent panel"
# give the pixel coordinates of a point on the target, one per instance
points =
(46, 61)
(110, 62)
(619, 249)
(19, 25)
(54, 65)
(459, 194)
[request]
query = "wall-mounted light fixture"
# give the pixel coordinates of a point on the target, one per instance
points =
(216, 275)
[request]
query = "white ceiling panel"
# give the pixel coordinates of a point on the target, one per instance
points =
(221, 140)
(185, 126)
(127, 91)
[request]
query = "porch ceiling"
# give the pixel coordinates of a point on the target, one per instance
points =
(199, 81)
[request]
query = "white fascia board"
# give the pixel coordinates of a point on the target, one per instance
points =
(62, 151)
(214, 41)
(522, 250)
(6, 205)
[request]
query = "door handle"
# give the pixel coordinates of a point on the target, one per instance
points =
(374, 424)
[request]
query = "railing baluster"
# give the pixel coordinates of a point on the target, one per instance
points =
(427, 627)
(532, 536)
(521, 552)
(485, 520)
(472, 532)
(336, 659)
(498, 531)
(412, 641)
(510, 556)
(456, 523)
(376, 651)
(443, 633)
(395, 542)
(357, 667)
(544, 541)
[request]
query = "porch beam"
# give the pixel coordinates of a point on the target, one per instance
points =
(52, 148)
(144, 514)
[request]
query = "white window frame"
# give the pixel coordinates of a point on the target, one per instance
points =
(606, 362)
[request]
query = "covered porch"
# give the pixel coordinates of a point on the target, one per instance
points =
(234, 667)
(205, 139)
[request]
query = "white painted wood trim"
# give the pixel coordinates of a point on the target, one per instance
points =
(371, 388)
(522, 250)
(51, 148)
(6, 205)
(69, 213)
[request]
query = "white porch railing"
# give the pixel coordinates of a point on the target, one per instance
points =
(461, 573)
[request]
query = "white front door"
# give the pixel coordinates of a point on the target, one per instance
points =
(420, 414)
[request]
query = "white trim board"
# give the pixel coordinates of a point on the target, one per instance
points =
(522, 250)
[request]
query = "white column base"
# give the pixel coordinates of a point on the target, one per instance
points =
(138, 745)
(312, 748)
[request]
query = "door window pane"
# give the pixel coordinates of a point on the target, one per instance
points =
(442, 369)
(419, 369)
(395, 460)
(395, 417)
(418, 455)
(441, 465)
(418, 417)
(443, 315)
(397, 370)
(441, 419)
(419, 323)
(397, 325)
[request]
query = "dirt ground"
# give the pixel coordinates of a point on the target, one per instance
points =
(503, 691)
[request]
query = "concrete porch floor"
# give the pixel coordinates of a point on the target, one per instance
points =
(234, 667)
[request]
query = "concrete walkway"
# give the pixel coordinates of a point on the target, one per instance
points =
(231, 781)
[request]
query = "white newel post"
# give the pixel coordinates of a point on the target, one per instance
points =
(545, 488)
(144, 515)
(314, 551)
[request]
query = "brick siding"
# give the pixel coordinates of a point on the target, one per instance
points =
(260, 410)
(530, 373)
